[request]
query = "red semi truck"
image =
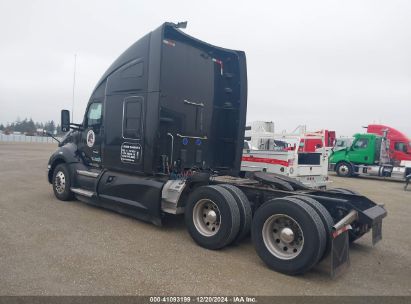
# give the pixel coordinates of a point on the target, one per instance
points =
(399, 143)
(312, 144)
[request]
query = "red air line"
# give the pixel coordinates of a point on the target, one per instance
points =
(220, 63)
(341, 230)
(169, 42)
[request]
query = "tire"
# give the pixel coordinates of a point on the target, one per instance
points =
(343, 191)
(344, 169)
(245, 211)
(62, 183)
(326, 219)
(305, 224)
(211, 207)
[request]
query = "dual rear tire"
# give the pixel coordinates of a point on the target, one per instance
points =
(291, 234)
(217, 216)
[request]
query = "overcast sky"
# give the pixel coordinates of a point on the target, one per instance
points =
(326, 64)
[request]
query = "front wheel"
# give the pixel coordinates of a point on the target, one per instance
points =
(62, 183)
(344, 169)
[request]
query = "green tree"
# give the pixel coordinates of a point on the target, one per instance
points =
(30, 127)
(50, 126)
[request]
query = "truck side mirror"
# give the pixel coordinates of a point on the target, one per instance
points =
(65, 120)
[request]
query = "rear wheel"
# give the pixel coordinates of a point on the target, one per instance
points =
(212, 217)
(326, 219)
(288, 235)
(244, 208)
(62, 183)
(344, 169)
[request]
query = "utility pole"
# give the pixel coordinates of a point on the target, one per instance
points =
(74, 84)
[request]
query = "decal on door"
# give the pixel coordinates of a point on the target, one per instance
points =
(91, 138)
(130, 153)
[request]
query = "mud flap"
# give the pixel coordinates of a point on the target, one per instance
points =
(376, 232)
(340, 251)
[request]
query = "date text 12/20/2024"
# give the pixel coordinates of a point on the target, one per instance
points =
(203, 299)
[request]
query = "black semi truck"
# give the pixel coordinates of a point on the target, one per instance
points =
(163, 133)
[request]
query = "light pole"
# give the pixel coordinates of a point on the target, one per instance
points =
(74, 84)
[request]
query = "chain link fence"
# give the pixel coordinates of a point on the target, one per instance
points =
(27, 139)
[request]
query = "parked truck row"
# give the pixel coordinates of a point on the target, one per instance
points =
(371, 155)
(163, 133)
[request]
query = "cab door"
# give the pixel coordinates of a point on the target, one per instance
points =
(361, 151)
(124, 136)
(92, 135)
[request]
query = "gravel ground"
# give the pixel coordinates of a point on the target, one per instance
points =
(49, 247)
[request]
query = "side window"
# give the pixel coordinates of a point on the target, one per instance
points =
(132, 117)
(362, 143)
(400, 146)
(94, 114)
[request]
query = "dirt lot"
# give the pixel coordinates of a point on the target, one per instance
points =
(48, 247)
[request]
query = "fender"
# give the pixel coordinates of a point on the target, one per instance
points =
(65, 154)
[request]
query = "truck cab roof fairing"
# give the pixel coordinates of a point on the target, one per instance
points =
(221, 82)
(138, 48)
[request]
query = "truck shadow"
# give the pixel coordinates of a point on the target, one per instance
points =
(174, 222)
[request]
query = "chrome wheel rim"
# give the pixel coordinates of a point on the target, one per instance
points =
(283, 236)
(343, 169)
(206, 217)
(60, 182)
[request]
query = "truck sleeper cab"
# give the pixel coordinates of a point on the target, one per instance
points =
(399, 143)
(163, 133)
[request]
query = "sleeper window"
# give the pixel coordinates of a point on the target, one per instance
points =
(132, 118)
(401, 146)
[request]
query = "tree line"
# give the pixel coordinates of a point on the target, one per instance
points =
(29, 127)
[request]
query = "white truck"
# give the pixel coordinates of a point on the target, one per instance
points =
(278, 153)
